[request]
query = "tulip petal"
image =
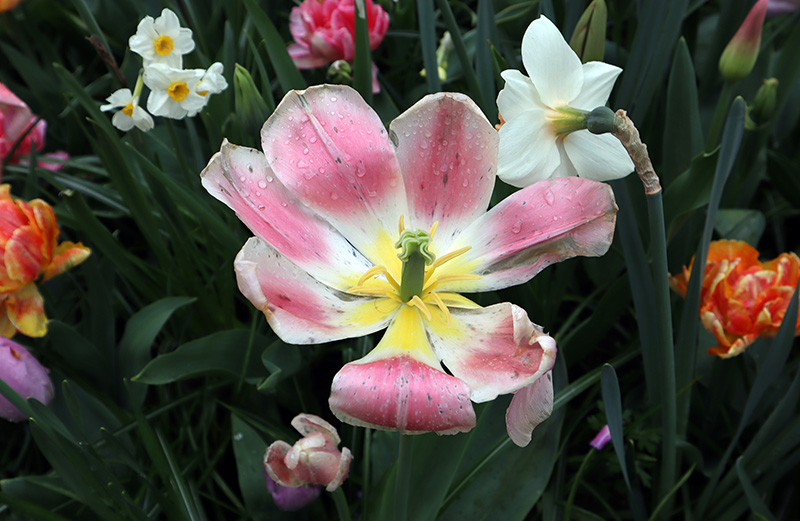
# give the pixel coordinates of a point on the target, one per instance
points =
(444, 143)
(241, 178)
(552, 65)
(330, 149)
(301, 309)
(494, 350)
(598, 80)
(23, 255)
(305, 424)
(528, 150)
(66, 256)
(598, 157)
(25, 309)
(545, 223)
(276, 467)
(530, 406)
(16, 114)
(399, 386)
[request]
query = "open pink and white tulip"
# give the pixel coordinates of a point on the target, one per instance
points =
(23, 373)
(315, 459)
(538, 139)
(331, 200)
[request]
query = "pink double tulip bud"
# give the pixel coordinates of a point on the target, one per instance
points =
(23, 373)
(315, 458)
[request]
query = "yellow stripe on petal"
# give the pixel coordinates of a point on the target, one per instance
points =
(371, 312)
(25, 309)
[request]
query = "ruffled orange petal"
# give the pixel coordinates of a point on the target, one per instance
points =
(7, 328)
(23, 256)
(25, 309)
(65, 256)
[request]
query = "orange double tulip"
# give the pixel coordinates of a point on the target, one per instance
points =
(742, 298)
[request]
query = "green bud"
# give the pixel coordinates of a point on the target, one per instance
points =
(763, 107)
(251, 108)
(340, 72)
(589, 38)
(601, 120)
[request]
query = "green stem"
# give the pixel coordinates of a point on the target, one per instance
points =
(341, 504)
(574, 489)
(719, 116)
(665, 348)
(402, 479)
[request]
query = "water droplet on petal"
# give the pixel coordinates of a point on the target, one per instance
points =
(262, 183)
(549, 198)
(312, 140)
(516, 228)
(242, 178)
(334, 196)
(302, 164)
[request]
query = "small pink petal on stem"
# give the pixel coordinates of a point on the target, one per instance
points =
(602, 438)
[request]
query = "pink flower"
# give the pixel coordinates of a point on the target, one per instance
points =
(315, 459)
(17, 120)
(602, 438)
(334, 197)
(324, 31)
(23, 373)
(290, 499)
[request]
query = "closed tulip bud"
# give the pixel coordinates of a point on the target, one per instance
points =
(23, 373)
(740, 55)
(763, 107)
(589, 38)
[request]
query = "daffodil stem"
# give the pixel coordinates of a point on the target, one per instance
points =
(402, 479)
(341, 505)
(719, 115)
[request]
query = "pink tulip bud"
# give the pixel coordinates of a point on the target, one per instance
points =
(780, 7)
(20, 370)
(314, 459)
(740, 55)
(602, 438)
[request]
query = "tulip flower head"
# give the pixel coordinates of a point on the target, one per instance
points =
(23, 373)
(28, 238)
(162, 40)
(18, 123)
(324, 32)
(358, 230)
(742, 298)
(544, 133)
(314, 460)
(739, 56)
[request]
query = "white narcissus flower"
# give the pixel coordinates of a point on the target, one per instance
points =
(162, 40)
(212, 82)
(131, 114)
(536, 141)
(173, 91)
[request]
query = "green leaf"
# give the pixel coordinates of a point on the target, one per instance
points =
(288, 75)
(33, 510)
(757, 504)
(249, 449)
(140, 333)
(484, 65)
(362, 63)
(282, 360)
(589, 37)
(612, 402)
(221, 352)
(427, 36)
(690, 191)
(461, 52)
(741, 225)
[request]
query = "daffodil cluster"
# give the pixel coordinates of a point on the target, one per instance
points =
(175, 92)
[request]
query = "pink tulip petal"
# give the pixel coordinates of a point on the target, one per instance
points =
(241, 178)
(494, 350)
(445, 146)
(306, 424)
(16, 114)
(303, 59)
(277, 469)
(342, 471)
(330, 149)
(23, 373)
(301, 309)
(399, 385)
(530, 406)
(547, 222)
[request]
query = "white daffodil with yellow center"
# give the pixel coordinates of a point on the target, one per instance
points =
(543, 134)
(357, 230)
(130, 114)
(173, 91)
(162, 40)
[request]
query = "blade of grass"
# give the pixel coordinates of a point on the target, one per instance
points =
(461, 51)
(427, 36)
(362, 64)
(288, 75)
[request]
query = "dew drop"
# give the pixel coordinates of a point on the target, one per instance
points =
(269, 178)
(284, 204)
(465, 183)
(312, 139)
(262, 183)
(334, 196)
(549, 198)
(333, 98)
(321, 170)
(261, 207)
(516, 228)
(242, 178)
(302, 164)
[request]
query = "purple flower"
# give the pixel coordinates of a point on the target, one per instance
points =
(20, 370)
(290, 499)
(603, 437)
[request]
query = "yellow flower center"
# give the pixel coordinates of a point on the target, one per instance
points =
(128, 109)
(202, 92)
(178, 91)
(428, 296)
(163, 45)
